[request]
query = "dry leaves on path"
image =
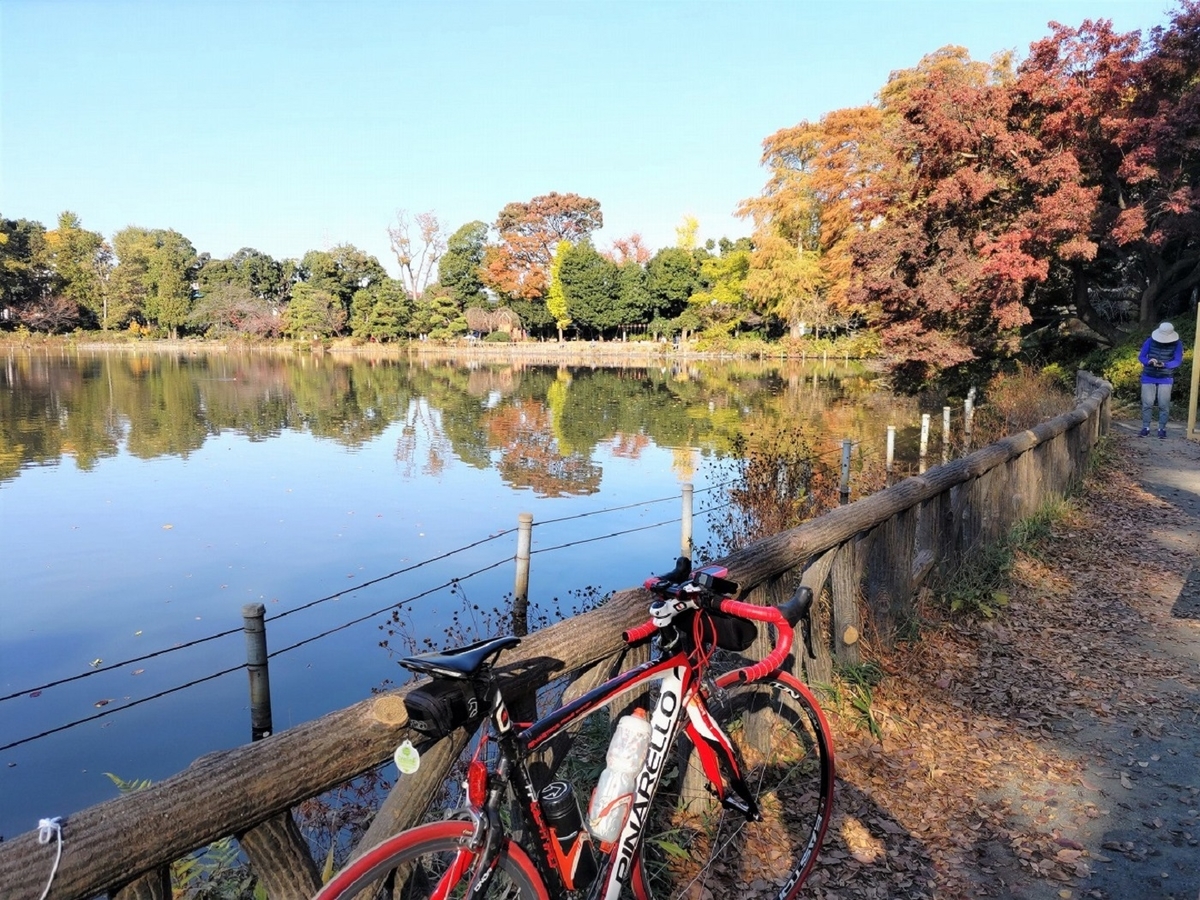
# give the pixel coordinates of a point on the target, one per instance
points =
(978, 788)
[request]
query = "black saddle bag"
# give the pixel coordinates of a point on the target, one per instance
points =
(437, 708)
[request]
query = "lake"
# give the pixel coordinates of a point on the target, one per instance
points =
(146, 497)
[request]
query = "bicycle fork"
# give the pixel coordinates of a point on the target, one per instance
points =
(715, 750)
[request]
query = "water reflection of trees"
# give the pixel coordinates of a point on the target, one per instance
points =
(540, 427)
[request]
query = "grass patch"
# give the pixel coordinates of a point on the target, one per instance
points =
(981, 585)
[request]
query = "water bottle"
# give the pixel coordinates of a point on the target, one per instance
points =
(576, 858)
(613, 796)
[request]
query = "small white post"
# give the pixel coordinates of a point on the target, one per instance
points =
(945, 435)
(891, 451)
(844, 488)
(924, 438)
(521, 584)
(968, 416)
(685, 539)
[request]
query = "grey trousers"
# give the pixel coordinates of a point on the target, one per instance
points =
(1156, 393)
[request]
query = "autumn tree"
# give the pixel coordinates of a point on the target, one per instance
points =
(955, 264)
(826, 180)
(1159, 221)
(518, 265)
(630, 249)
(233, 309)
(418, 246)
(720, 300)
(556, 294)
(1129, 111)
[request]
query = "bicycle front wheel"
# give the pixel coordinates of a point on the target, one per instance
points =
(693, 847)
(432, 861)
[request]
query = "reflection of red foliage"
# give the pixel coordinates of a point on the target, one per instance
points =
(530, 456)
(629, 446)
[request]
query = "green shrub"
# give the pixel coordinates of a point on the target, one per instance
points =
(1123, 371)
(497, 337)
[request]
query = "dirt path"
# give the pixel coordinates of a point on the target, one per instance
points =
(1052, 752)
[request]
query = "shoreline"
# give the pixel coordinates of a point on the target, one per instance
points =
(535, 352)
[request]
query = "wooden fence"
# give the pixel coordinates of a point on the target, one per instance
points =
(865, 561)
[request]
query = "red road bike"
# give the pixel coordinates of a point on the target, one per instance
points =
(732, 800)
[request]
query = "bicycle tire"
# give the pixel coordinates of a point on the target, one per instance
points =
(420, 857)
(693, 847)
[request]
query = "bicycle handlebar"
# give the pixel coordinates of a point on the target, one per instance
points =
(783, 641)
(682, 581)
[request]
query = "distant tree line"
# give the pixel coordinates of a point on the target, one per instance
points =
(971, 209)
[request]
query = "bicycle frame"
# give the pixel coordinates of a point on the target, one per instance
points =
(679, 693)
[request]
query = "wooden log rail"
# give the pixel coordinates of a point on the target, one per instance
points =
(864, 561)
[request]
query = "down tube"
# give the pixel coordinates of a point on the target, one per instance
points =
(664, 725)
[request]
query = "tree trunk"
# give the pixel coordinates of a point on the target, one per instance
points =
(1086, 312)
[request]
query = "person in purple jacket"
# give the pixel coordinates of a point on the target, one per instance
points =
(1161, 355)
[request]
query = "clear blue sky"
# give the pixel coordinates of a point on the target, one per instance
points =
(291, 126)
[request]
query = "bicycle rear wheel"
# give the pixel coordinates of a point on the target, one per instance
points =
(430, 861)
(694, 848)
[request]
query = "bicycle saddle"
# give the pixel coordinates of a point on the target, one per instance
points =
(461, 662)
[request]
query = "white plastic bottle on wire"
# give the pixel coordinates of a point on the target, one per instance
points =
(613, 796)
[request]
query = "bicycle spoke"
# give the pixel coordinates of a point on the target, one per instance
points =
(786, 766)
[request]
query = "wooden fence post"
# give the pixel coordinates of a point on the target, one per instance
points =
(520, 617)
(256, 666)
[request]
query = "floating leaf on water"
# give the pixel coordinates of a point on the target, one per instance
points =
(100, 703)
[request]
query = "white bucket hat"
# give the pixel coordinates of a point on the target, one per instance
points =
(1165, 333)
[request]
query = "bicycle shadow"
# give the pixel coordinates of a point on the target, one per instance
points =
(1187, 604)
